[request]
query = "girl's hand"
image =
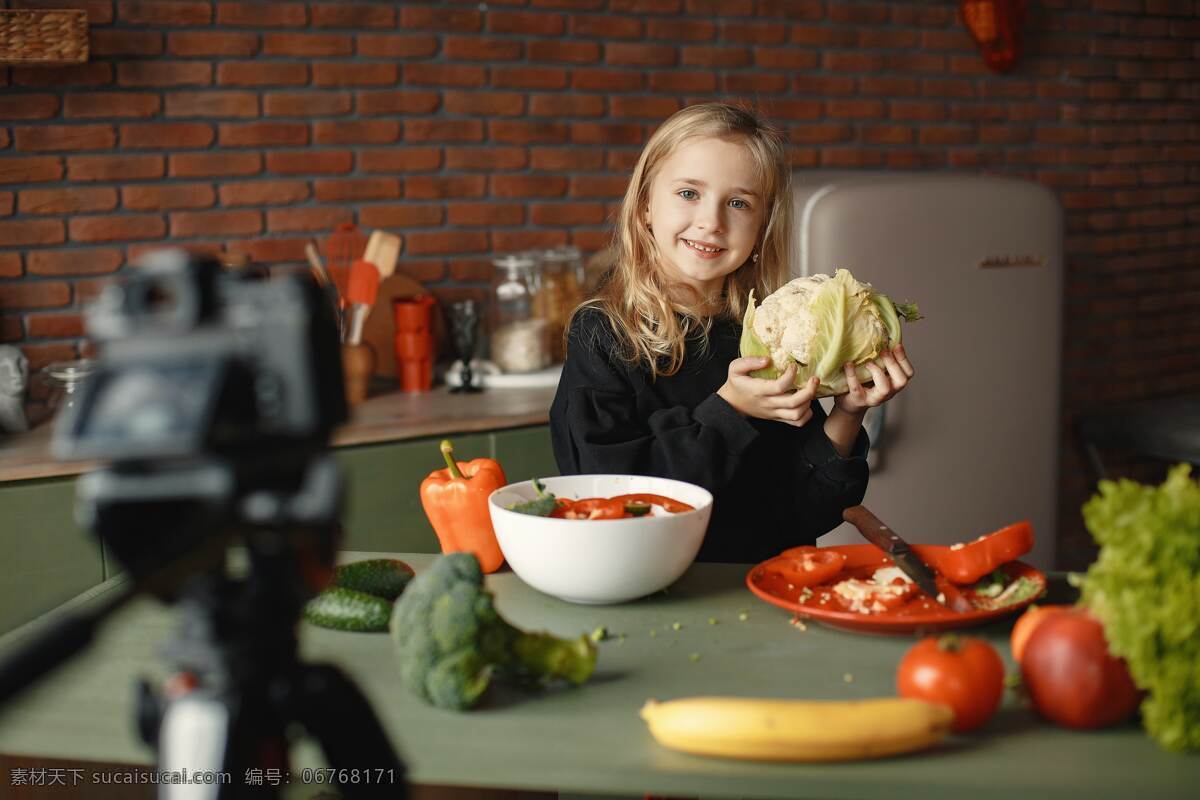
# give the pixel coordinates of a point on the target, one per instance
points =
(886, 382)
(765, 398)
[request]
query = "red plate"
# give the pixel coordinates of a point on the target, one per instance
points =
(769, 580)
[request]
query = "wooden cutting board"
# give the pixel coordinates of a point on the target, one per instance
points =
(379, 330)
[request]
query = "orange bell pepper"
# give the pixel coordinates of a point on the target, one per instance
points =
(455, 501)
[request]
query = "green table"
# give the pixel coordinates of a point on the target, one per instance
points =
(591, 740)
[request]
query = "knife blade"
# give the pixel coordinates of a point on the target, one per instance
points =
(887, 540)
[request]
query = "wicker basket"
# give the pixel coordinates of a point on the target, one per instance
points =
(52, 36)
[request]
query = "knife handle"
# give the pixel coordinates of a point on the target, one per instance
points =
(874, 531)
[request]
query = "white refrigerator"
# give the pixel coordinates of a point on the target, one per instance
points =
(972, 444)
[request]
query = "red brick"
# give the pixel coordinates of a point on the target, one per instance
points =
(397, 102)
(712, 56)
(567, 214)
(606, 133)
(164, 73)
(352, 74)
(401, 216)
(640, 55)
(890, 86)
(573, 5)
(337, 190)
(392, 45)
(606, 26)
(212, 43)
(262, 15)
(263, 193)
(271, 251)
(306, 104)
(164, 13)
(186, 224)
(754, 32)
(200, 165)
(510, 241)
(75, 200)
(212, 104)
(529, 77)
(110, 104)
(753, 83)
(28, 106)
(7, 201)
(566, 105)
(850, 157)
(428, 271)
(54, 326)
(573, 51)
(643, 107)
(598, 185)
(87, 290)
(607, 80)
(356, 132)
(486, 214)
(621, 161)
(712, 8)
(441, 242)
(18, 232)
(308, 162)
(820, 133)
(34, 294)
(481, 48)
(471, 269)
(529, 23)
(117, 228)
(432, 187)
(486, 159)
(400, 159)
(64, 138)
(165, 196)
(680, 81)
(353, 15)
(566, 159)
(527, 132)
(256, 73)
(114, 42)
(784, 58)
(34, 169)
(1005, 134)
(591, 241)
(916, 110)
(887, 134)
(854, 109)
(443, 130)
(307, 220)
(10, 264)
(435, 74)
(506, 104)
(262, 134)
(440, 19)
(822, 36)
(915, 62)
(680, 30)
(307, 45)
(163, 136)
(74, 261)
(528, 185)
(824, 84)
(114, 168)
(99, 12)
(93, 73)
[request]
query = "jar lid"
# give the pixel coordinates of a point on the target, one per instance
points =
(514, 261)
(69, 371)
(565, 252)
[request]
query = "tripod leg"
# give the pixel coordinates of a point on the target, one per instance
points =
(336, 713)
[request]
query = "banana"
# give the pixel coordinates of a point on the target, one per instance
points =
(797, 730)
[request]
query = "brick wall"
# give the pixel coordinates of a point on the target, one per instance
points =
(480, 128)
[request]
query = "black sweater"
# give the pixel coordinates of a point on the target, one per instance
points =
(774, 485)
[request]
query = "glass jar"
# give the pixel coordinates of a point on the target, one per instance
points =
(561, 292)
(64, 379)
(517, 331)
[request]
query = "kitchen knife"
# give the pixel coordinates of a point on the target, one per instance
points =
(887, 540)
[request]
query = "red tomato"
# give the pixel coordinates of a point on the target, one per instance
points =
(1025, 625)
(1070, 675)
(963, 673)
(809, 566)
(673, 506)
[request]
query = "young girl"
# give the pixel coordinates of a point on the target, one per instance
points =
(653, 383)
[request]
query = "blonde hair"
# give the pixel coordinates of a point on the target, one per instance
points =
(643, 308)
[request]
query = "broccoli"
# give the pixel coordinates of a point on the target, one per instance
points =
(452, 641)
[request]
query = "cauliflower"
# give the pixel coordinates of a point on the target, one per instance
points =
(821, 322)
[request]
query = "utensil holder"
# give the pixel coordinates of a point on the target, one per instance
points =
(358, 364)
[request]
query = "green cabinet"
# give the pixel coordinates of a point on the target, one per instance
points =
(49, 559)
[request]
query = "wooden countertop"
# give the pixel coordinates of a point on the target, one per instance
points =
(386, 418)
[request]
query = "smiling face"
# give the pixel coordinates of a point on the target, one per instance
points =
(706, 211)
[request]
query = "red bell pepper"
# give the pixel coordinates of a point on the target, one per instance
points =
(968, 562)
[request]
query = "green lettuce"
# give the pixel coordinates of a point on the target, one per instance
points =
(854, 323)
(1144, 587)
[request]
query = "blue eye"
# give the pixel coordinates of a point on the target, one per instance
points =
(688, 194)
(739, 203)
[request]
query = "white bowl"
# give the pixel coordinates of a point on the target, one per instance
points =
(600, 561)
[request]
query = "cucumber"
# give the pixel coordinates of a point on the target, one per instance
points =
(348, 610)
(382, 577)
